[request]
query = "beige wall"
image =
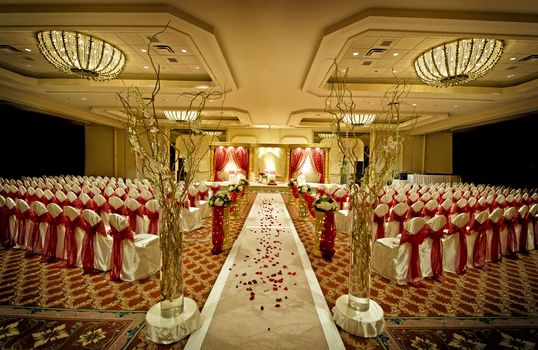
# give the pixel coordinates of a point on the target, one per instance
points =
(412, 156)
(438, 157)
(285, 136)
(108, 152)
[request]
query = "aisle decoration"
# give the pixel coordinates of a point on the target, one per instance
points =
(292, 185)
(325, 231)
(220, 237)
(174, 317)
(355, 312)
(244, 182)
(303, 191)
(234, 191)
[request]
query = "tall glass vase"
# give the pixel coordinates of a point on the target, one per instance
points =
(320, 223)
(235, 208)
(304, 215)
(227, 242)
(359, 275)
(291, 198)
(172, 286)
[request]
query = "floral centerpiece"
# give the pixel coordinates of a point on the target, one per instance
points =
(292, 182)
(325, 232)
(220, 202)
(304, 189)
(233, 188)
(293, 186)
(243, 182)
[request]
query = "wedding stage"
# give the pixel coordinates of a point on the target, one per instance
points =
(266, 293)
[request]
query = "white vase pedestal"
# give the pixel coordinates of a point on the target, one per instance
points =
(366, 324)
(163, 330)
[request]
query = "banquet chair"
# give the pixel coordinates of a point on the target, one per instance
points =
(87, 202)
(508, 234)
(413, 198)
(117, 206)
(108, 192)
(191, 219)
(73, 201)
(145, 195)
(48, 197)
(415, 210)
(523, 229)
(455, 244)
(430, 209)
(95, 254)
(477, 240)
(203, 192)
(494, 250)
(135, 212)
(13, 221)
(24, 224)
(120, 192)
(133, 256)
(61, 198)
(152, 211)
(5, 213)
(533, 227)
(378, 226)
(432, 248)
(425, 197)
(58, 226)
(395, 221)
(74, 236)
(40, 228)
(400, 198)
(399, 259)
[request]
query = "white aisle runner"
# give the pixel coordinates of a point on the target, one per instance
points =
(266, 295)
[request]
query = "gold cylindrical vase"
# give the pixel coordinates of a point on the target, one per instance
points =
(359, 275)
(320, 222)
(290, 196)
(227, 241)
(304, 215)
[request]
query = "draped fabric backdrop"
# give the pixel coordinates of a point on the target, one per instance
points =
(317, 158)
(297, 159)
(240, 156)
(220, 161)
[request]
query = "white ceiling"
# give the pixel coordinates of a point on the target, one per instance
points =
(274, 58)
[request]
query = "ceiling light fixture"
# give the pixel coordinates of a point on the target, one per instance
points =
(355, 53)
(181, 116)
(80, 54)
(326, 135)
(513, 58)
(458, 62)
(211, 133)
(359, 119)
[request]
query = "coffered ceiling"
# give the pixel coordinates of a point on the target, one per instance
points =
(274, 59)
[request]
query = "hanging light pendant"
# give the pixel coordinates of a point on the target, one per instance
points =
(181, 116)
(458, 62)
(80, 54)
(359, 119)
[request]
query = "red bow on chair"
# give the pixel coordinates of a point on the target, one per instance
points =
(309, 201)
(117, 257)
(496, 240)
(400, 218)
(413, 271)
(88, 251)
(461, 254)
(37, 220)
(340, 200)
(70, 246)
(202, 195)
(133, 214)
(153, 217)
(480, 244)
(511, 244)
(429, 213)
(192, 200)
(61, 219)
(523, 236)
(215, 189)
(436, 252)
(380, 221)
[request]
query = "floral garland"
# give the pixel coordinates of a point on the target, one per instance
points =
(292, 182)
(220, 199)
(304, 189)
(234, 188)
(325, 203)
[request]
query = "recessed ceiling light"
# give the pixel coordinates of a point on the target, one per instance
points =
(28, 50)
(146, 67)
(511, 75)
(355, 53)
(144, 50)
(456, 106)
(414, 104)
(395, 54)
(197, 67)
(513, 58)
(28, 65)
(184, 50)
(83, 98)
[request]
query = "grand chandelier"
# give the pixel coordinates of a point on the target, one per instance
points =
(359, 119)
(181, 116)
(458, 62)
(80, 54)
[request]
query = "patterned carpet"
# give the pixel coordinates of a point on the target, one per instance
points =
(508, 289)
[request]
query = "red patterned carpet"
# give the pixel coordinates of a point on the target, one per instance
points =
(508, 289)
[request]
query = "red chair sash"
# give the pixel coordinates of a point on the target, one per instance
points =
(61, 219)
(380, 221)
(37, 220)
(117, 257)
(141, 200)
(436, 255)
(480, 244)
(429, 213)
(105, 208)
(461, 254)
(524, 233)
(413, 271)
(413, 214)
(320, 191)
(217, 235)
(496, 240)
(153, 217)
(309, 201)
(70, 245)
(534, 223)
(215, 188)
(120, 211)
(192, 200)
(511, 243)
(133, 214)
(340, 201)
(202, 195)
(88, 251)
(294, 191)
(400, 218)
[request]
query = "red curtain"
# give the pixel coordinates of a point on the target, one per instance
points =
(241, 157)
(317, 158)
(297, 159)
(220, 160)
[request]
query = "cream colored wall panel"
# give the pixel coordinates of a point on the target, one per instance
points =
(99, 152)
(438, 157)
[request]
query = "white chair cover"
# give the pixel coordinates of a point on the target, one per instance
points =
(40, 209)
(191, 219)
(451, 249)
(398, 213)
(25, 226)
(102, 244)
(55, 212)
(477, 232)
(73, 213)
(436, 224)
(136, 212)
(140, 257)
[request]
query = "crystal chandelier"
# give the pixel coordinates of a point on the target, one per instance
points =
(458, 62)
(181, 116)
(359, 119)
(80, 54)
